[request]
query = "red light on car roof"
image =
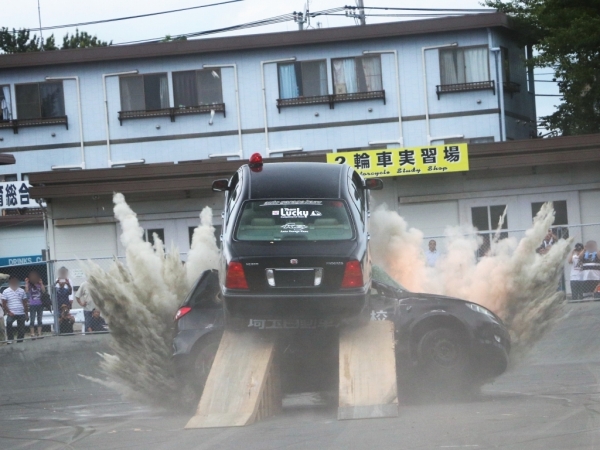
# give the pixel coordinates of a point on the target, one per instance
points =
(182, 312)
(256, 159)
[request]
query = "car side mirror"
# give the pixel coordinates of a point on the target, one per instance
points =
(220, 185)
(374, 184)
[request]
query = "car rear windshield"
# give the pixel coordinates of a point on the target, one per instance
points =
(278, 220)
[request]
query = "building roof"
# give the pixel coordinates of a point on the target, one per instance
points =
(6, 159)
(255, 41)
(156, 179)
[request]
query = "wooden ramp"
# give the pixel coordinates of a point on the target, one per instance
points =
(243, 384)
(368, 385)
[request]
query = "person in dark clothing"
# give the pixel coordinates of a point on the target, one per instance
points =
(34, 287)
(66, 320)
(63, 291)
(97, 323)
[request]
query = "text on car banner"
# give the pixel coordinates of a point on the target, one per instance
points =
(393, 162)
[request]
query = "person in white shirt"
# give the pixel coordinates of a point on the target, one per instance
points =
(14, 303)
(576, 272)
(432, 254)
(85, 300)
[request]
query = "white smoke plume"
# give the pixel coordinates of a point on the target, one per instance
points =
(512, 280)
(139, 301)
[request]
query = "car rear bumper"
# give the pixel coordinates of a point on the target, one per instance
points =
(339, 305)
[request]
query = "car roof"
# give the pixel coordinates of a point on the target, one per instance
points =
(297, 180)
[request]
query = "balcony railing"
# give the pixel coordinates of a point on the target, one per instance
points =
(172, 112)
(330, 100)
(463, 87)
(40, 122)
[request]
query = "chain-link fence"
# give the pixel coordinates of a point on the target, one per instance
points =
(581, 275)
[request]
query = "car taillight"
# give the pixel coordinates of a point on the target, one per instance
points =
(353, 276)
(182, 312)
(236, 278)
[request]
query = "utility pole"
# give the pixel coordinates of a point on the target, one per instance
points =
(361, 12)
(41, 36)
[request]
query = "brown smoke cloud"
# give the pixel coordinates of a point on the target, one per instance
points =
(512, 280)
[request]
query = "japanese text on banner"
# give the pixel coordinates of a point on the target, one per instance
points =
(393, 162)
(15, 194)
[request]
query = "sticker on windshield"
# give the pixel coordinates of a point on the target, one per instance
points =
(294, 228)
(316, 214)
(292, 202)
(294, 213)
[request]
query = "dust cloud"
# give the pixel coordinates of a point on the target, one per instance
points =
(139, 300)
(511, 280)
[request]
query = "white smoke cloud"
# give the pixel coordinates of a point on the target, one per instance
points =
(139, 301)
(512, 279)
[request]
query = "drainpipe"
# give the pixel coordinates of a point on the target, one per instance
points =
(500, 83)
(240, 153)
(400, 134)
(110, 162)
(264, 93)
(427, 120)
(82, 165)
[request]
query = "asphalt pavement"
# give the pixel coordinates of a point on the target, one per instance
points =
(548, 400)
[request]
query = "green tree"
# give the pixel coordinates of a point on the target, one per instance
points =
(20, 41)
(565, 35)
(82, 40)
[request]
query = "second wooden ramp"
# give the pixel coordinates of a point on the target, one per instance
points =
(243, 384)
(368, 384)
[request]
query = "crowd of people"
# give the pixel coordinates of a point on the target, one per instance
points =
(26, 302)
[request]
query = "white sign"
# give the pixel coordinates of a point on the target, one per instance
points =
(15, 194)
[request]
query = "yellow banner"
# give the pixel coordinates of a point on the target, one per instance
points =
(394, 162)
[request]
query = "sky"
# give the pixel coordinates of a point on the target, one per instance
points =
(24, 14)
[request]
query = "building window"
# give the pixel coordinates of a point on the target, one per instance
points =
(476, 140)
(197, 87)
(144, 92)
(560, 209)
(360, 74)
(9, 177)
(150, 232)
(464, 65)
(505, 64)
(486, 219)
(5, 104)
(40, 100)
(302, 79)
(218, 230)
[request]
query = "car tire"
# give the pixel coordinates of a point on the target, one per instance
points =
(202, 359)
(442, 354)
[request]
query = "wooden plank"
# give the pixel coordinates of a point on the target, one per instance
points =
(243, 385)
(368, 385)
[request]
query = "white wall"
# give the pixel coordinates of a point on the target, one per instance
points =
(21, 240)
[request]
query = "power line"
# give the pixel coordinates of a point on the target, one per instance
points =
(426, 9)
(56, 27)
(258, 23)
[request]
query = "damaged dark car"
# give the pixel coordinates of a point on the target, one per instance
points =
(449, 342)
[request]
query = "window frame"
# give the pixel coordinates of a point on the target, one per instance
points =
(9, 103)
(323, 60)
(197, 84)
(142, 76)
(378, 56)
(466, 47)
(39, 98)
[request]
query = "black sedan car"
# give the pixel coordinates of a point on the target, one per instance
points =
(450, 342)
(295, 241)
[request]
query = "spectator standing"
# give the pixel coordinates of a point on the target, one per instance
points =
(63, 273)
(63, 293)
(432, 254)
(65, 320)
(547, 243)
(575, 259)
(34, 287)
(2, 327)
(590, 266)
(14, 302)
(97, 323)
(85, 300)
